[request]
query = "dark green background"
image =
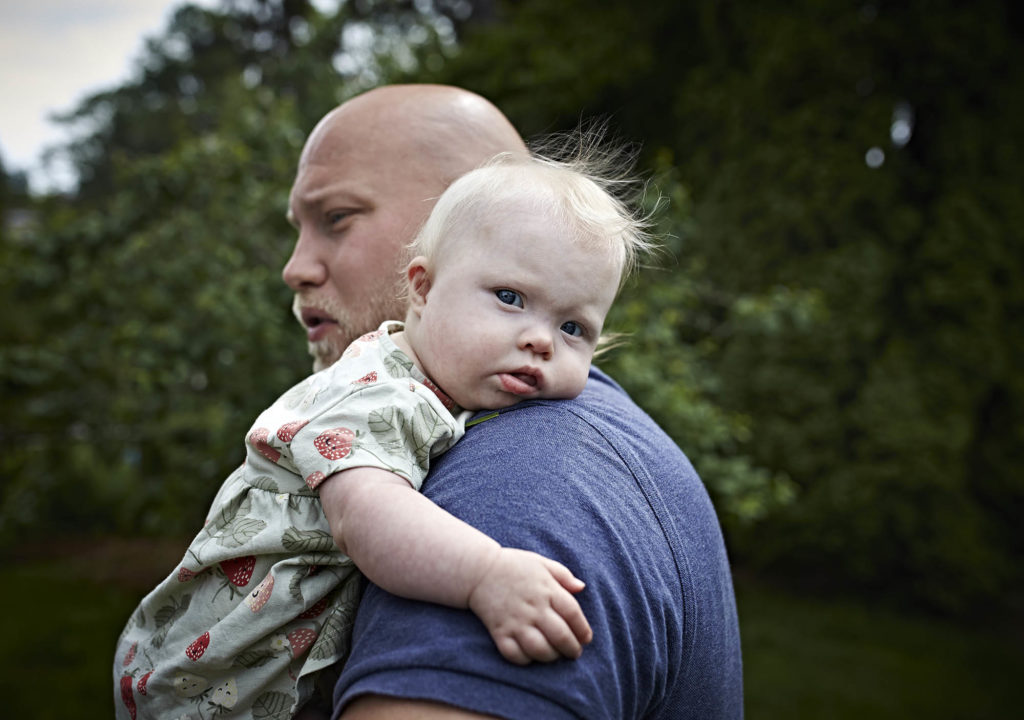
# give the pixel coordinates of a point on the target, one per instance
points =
(835, 344)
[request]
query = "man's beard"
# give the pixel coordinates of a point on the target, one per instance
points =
(351, 324)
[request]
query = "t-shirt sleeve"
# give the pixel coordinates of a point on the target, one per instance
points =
(541, 479)
(395, 425)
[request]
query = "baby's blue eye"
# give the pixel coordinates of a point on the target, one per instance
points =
(571, 328)
(509, 297)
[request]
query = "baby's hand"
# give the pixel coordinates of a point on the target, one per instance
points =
(526, 602)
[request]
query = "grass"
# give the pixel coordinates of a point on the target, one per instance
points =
(804, 657)
(807, 657)
(64, 607)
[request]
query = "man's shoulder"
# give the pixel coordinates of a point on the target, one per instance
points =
(596, 456)
(594, 483)
(603, 408)
(602, 430)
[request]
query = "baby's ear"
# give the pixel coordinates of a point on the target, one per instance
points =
(417, 274)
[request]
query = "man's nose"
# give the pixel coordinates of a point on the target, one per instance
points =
(305, 268)
(537, 339)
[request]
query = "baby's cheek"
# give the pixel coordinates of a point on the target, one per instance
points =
(581, 382)
(573, 382)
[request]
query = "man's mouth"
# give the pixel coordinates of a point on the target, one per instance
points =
(317, 322)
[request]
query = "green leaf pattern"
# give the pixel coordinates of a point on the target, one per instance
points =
(299, 541)
(336, 635)
(253, 658)
(240, 531)
(238, 505)
(396, 431)
(264, 482)
(388, 427)
(272, 706)
(295, 589)
(165, 617)
(398, 365)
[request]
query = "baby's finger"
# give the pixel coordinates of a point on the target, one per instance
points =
(560, 635)
(536, 645)
(563, 575)
(511, 651)
(568, 608)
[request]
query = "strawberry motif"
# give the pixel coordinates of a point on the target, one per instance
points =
(367, 379)
(334, 444)
(198, 647)
(300, 640)
(314, 480)
(258, 439)
(239, 570)
(130, 655)
(126, 695)
(226, 694)
(184, 574)
(259, 596)
(314, 609)
(286, 432)
(188, 685)
(141, 686)
(371, 336)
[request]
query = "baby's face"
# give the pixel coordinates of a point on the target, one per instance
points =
(513, 312)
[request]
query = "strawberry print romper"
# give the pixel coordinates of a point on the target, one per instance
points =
(263, 599)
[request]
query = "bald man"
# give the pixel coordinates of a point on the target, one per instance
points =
(590, 482)
(367, 179)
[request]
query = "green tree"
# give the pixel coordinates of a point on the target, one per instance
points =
(152, 323)
(309, 58)
(831, 336)
(848, 280)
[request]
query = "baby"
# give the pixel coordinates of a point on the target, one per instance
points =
(513, 275)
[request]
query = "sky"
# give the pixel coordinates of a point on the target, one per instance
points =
(53, 53)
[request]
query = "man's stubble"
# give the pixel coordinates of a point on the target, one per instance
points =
(352, 323)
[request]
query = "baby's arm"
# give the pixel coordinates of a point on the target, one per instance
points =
(410, 547)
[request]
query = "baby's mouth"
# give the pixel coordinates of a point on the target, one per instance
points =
(521, 382)
(530, 380)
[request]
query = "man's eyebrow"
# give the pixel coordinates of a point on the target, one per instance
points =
(335, 190)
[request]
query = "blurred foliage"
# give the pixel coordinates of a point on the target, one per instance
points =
(843, 306)
(829, 334)
(152, 323)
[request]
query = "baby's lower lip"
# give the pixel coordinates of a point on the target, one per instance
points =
(516, 385)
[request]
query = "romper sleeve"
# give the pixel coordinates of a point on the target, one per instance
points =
(396, 425)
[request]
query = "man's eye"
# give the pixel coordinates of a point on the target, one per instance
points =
(509, 297)
(335, 217)
(571, 328)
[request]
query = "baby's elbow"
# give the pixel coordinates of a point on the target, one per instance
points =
(334, 502)
(338, 534)
(339, 538)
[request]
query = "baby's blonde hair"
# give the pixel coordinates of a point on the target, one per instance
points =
(580, 192)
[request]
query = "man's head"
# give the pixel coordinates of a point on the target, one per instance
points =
(367, 179)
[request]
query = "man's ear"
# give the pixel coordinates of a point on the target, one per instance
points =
(417, 275)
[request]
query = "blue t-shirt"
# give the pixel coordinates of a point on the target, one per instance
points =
(595, 484)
